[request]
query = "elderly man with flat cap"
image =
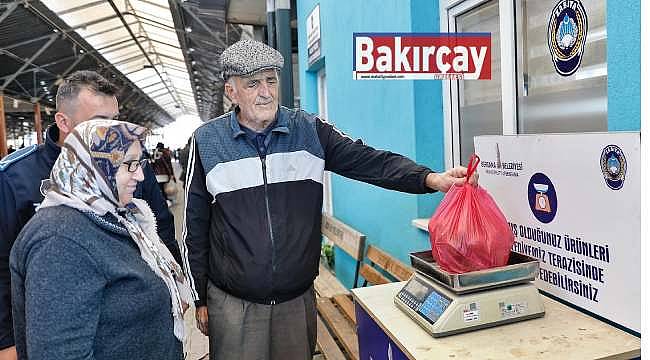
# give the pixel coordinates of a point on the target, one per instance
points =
(253, 213)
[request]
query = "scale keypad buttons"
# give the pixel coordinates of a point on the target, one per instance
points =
(409, 300)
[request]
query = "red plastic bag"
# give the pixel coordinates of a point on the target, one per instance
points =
(468, 232)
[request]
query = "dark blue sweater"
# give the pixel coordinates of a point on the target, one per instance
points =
(81, 291)
(21, 174)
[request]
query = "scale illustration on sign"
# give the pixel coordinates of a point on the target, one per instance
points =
(542, 198)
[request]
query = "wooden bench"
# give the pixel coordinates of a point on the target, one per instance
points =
(385, 262)
(337, 337)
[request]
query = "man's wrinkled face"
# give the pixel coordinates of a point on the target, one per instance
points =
(256, 95)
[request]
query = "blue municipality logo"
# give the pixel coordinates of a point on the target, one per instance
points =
(613, 166)
(567, 34)
(542, 198)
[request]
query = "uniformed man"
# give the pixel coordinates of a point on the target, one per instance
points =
(82, 96)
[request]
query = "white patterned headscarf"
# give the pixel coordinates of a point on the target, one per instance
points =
(83, 177)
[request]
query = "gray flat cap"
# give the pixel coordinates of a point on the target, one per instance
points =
(246, 57)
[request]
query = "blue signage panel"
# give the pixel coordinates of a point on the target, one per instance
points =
(373, 342)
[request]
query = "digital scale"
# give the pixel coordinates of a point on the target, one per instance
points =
(447, 304)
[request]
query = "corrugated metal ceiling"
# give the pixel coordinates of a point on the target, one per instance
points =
(139, 38)
(38, 49)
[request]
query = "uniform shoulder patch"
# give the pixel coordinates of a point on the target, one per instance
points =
(17, 156)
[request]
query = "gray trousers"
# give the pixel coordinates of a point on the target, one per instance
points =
(244, 330)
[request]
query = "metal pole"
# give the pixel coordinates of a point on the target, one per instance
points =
(270, 23)
(3, 127)
(283, 31)
(356, 274)
(38, 126)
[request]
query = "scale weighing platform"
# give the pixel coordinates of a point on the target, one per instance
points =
(446, 304)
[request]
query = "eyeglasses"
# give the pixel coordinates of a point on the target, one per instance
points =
(133, 165)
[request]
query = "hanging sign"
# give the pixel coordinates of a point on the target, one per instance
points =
(313, 35)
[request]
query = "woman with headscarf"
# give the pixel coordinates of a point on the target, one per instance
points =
(90, 277)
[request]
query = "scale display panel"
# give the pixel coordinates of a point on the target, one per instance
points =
(424, 299)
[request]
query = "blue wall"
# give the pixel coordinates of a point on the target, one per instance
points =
(406, 116)
(381, 113)
(429, 117)
(624, 65)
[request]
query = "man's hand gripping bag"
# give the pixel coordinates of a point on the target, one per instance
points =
(468, 232)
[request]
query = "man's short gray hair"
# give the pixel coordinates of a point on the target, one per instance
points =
(83, 79)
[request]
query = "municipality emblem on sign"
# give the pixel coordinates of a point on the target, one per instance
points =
(567, 34)
(613, 166)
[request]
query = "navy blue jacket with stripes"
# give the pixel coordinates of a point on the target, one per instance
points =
(253, 223)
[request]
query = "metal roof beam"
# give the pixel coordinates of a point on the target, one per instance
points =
(203, 25)
(155, 51)
(10, 9)
(117, 11)
(170, 57)
(24, 61)
(94, 22)
(25, 91)
(154, 4)
(150, 85)
(187, 93)
(30, 60)
(107, 30)
(132, 58)
(157, 96)
(203, 40)
(175, 67)
(124, 102)
(80, 7)
(154, 23)
(104, 64)
(116, 43)
(154, 16)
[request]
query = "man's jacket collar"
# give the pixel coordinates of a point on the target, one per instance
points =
(50, 148)
(282, 125)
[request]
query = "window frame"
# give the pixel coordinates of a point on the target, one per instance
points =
(321, 87)
(449, 10)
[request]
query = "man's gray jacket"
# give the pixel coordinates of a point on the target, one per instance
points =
(252, 221)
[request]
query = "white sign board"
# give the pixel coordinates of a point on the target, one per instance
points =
(313, 35)
(574, 202)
